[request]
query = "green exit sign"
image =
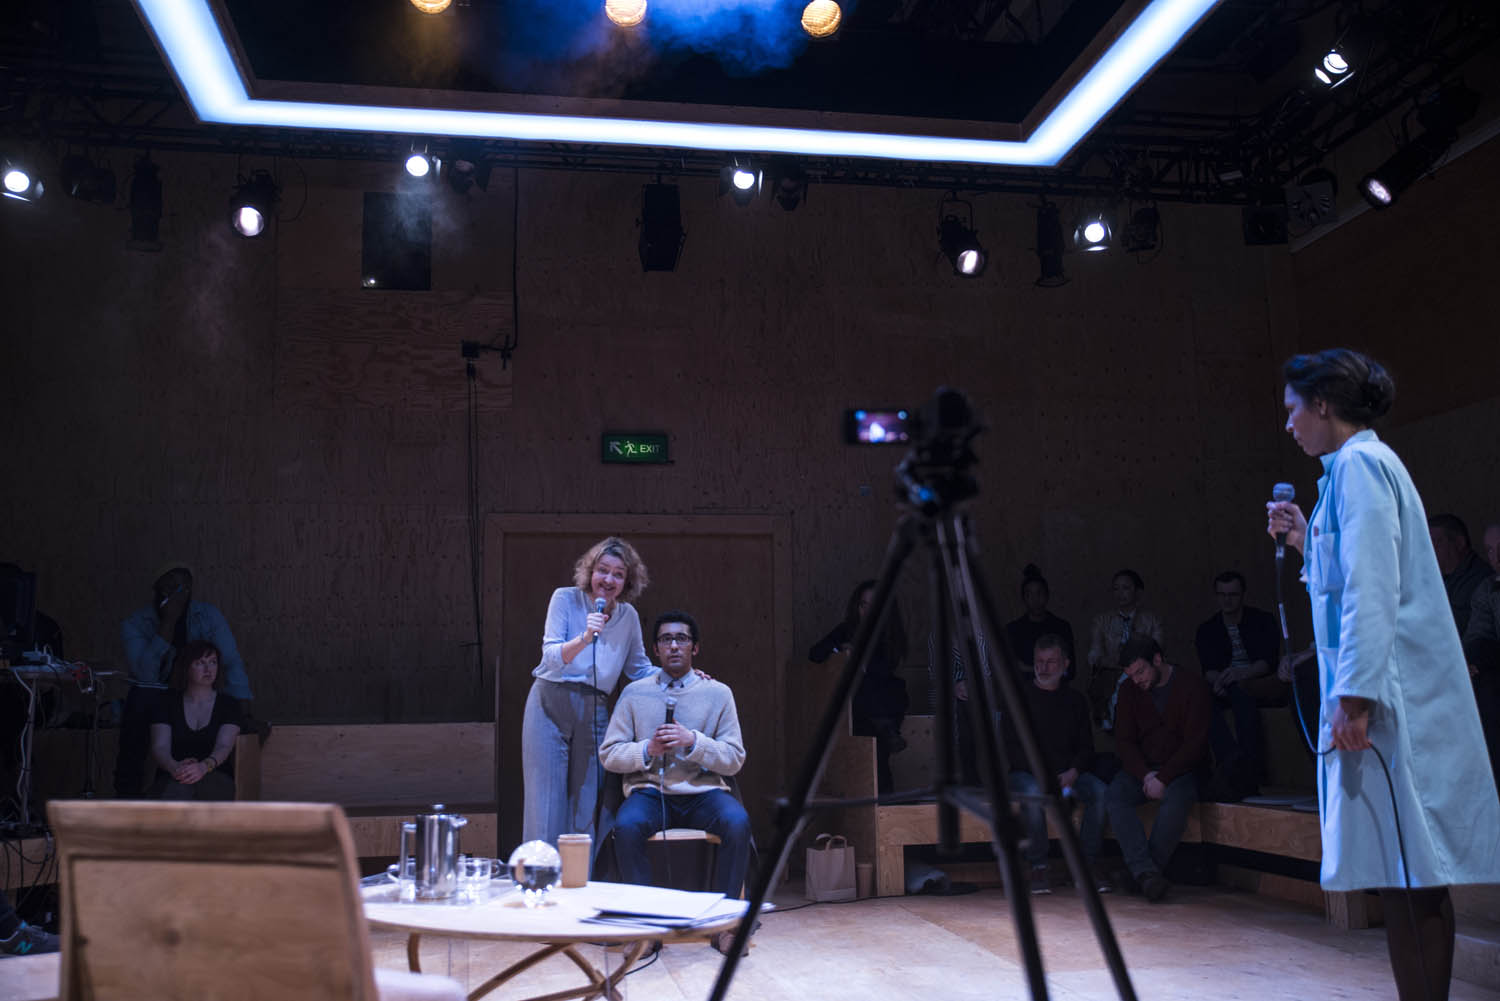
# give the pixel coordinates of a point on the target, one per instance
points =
(650, 446)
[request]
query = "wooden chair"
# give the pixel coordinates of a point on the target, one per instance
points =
(221, 900)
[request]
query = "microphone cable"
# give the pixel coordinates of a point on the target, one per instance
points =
(1312, 746)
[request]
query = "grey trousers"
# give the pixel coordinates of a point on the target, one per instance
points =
(560, 759)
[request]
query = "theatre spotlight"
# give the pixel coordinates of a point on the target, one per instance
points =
(20, 182)
(741, 180)
(431, 6)
(788, 184)
(467, 167)
(1440, 117)
(1093, 233)
(958, 240)
(252, 204)
(419, 164)
(145, 204)
(625, 13)
(81, 179)
(1334, 69)
(1049, 246)
(821, 18)
(1143, 232)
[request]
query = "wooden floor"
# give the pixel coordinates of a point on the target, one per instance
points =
(1203, 943)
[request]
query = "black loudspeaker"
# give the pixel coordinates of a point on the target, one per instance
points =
(662, 235)
(397, 242)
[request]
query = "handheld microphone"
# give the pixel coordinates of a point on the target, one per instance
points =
(671, 709)
(1282, 493)
(598, 607)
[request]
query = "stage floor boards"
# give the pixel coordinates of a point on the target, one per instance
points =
(1207, 942)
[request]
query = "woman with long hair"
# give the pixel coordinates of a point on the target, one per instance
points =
(1405, 793)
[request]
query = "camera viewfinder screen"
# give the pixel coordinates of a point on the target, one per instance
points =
(877, 427)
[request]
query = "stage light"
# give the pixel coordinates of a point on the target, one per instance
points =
(788, 184)
(1440, 117)
(1049, 246)
(959, 241)
(145, 204)
(1143, 231)
(661, 227)
(625, 13)
(19, 182)
(418, 165)
(431, 6)
(822, 18)
(252, 204)
(1093, 233)
(1334, 70)
(742, 180)
(82, 179)
(467, 167)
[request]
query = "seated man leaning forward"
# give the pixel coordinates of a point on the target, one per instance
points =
(675, 772)
(1161, 736)
(1060, 719)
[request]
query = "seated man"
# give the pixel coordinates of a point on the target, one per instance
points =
(674, 772)
(153, 636)
(1060, 718)
(1237, 650)
(1161, 736)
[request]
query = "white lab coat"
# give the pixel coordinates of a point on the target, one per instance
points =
(1385, 632)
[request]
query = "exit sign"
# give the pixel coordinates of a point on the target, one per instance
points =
(647, 447)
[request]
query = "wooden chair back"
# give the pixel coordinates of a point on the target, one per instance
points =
(209, 900)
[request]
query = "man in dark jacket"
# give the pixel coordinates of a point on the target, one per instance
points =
(1060, 718)
(1237, 650)
(1161, 736)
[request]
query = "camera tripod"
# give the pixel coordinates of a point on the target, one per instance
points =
(933, 482)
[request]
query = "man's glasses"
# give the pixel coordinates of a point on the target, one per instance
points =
(674, 639)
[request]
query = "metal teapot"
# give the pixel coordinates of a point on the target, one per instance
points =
(431, 840)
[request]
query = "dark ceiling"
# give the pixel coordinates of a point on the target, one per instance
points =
(1228, 117)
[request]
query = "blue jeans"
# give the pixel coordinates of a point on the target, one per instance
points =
(1088, 790)
(1122, 798)
(715, 811)
(560, 759)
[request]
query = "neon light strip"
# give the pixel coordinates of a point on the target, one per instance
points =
(190, 38)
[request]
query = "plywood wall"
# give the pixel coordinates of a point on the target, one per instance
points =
(246, 407)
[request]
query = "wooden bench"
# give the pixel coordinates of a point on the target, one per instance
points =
(888, 830)
(381, 774)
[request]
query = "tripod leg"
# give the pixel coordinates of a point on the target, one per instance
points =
(993, 771)
(791, 813)
(981, 598)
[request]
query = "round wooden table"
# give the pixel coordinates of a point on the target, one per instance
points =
(557, 927)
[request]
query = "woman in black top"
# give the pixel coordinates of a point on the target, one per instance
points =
(881, 701)
(194, 729)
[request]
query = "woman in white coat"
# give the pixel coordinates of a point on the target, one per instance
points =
(1392, 677)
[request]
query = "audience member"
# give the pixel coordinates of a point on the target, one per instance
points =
(1237, 651)
(1037, 622)
(963, 726)
(1060, 719)
(1161, 736)
(1481, 640)
(584, 652)
(194, 729)
(881, 701)
(1463, 570)
(17, 938)
(153, 637)
(675, 772)
(1111, 631)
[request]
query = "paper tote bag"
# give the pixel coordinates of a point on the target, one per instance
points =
(830, 869)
